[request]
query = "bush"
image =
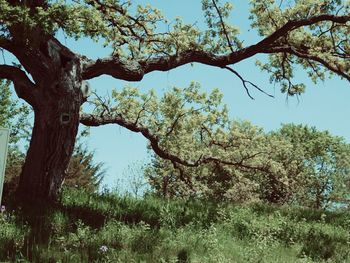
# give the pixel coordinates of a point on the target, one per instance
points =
(320, 244)
(11, 237)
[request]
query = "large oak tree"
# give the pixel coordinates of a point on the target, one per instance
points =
(52, 78)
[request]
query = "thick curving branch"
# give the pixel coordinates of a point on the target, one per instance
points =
(5, 43)
(294, 24)
(98, 120)
(115, 67)
(24, 87)
(135, 70)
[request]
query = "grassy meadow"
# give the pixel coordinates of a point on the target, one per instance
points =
(108, 227)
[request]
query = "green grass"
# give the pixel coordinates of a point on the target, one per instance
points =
(106, 227)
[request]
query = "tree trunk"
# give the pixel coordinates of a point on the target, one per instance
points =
(52, 143)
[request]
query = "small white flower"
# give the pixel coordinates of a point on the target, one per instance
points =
(2, 209)
(103, 249)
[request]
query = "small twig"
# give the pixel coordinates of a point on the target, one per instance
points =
(281, 2)
(223, 26)
(3, 55)
(244, 82)
(103, 103)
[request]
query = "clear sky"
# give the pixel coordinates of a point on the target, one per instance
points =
(325, 105)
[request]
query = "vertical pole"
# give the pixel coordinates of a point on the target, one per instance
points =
(4, 139)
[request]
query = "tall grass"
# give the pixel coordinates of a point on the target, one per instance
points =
(106, 227)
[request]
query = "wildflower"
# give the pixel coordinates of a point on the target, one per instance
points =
(103, 249)
(2, 209)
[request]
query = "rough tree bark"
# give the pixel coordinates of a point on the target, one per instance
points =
(56, 106)
(52, 143)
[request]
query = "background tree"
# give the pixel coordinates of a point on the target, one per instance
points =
(247, 169)
(300, 32)
(325, 163)
(83, 171)
(134, 181)
(230, 157)
(296, 164)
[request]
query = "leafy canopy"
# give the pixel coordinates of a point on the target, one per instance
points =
(312, 34)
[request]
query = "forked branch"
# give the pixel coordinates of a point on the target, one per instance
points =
(245, 82)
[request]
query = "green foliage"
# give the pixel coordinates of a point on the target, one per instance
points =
(268, 16)
(16, 116)
(324, 162)
(319, 245)
(83, 171)
(296, 164)
(171, 231)
(11, 237)
(134, 32)
(205, 153)
(134, 180)
(131, 210)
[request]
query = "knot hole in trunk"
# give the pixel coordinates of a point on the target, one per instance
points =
(65, 118)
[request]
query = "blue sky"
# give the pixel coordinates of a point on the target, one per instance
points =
(324, 105)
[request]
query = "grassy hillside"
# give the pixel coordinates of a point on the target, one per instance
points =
(109, 228)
